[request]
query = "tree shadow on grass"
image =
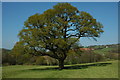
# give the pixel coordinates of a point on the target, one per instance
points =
(73, 67)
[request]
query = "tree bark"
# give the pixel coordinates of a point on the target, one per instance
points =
(61, 64)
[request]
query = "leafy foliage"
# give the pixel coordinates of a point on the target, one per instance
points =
(56, 30)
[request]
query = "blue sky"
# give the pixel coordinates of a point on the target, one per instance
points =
(15, 13)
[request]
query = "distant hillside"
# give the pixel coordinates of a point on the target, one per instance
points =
(104, 46)
(97, 48)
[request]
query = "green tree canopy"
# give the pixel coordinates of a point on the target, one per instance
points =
(53, 32)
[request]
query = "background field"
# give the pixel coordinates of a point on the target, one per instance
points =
(108, 69)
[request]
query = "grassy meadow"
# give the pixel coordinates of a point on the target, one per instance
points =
(107, 69)
(106, 50)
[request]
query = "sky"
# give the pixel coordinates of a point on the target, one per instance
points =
(15, 13)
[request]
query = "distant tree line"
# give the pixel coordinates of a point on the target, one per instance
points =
(73, 57)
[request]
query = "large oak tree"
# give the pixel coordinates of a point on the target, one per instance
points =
(53, 32)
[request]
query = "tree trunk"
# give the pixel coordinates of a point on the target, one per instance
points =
(61, 64)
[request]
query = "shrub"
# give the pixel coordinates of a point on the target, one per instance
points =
(90, 56)
(112, 56)
(40, 61)
(50, 60)
(72, 58)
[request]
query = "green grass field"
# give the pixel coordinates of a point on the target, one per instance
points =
(107, 69)
(105, 50)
